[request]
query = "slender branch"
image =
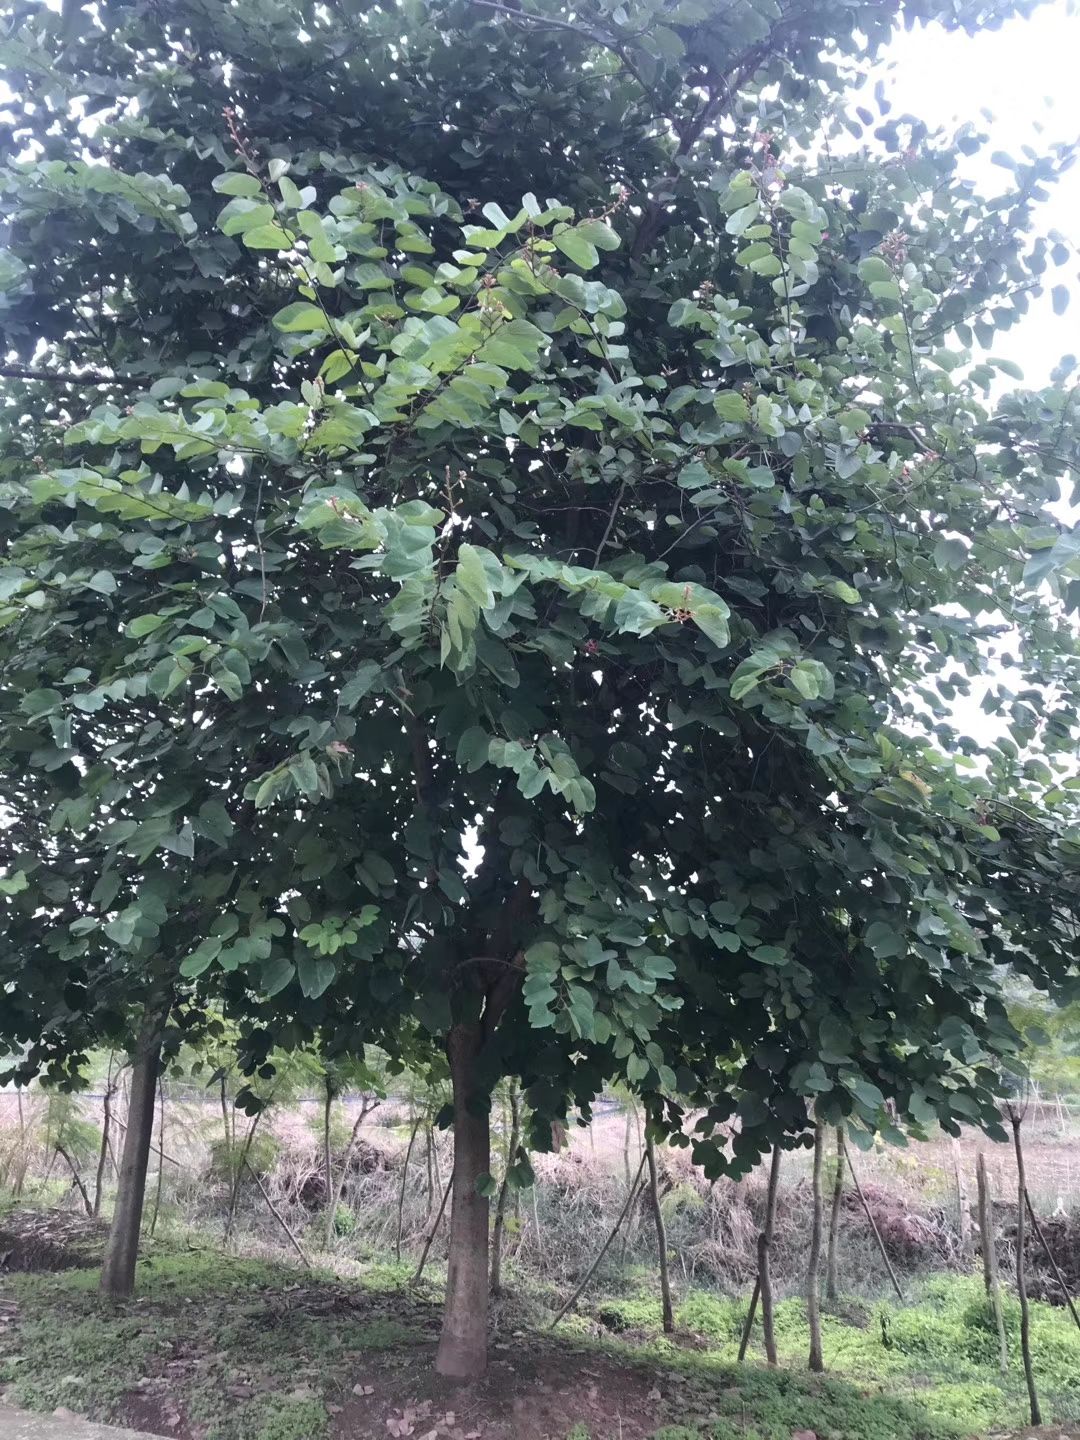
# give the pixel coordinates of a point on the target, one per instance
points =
(631, 1197)
(53, 377)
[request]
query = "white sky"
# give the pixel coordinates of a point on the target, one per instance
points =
(1026, 75)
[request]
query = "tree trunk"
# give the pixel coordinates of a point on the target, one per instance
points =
(813, 1269)
(504, 1190)
(831, 1290)
(764, 1255)
(20, 1174)
(241, 1163)
(661, 1234)
(103, 1153)
(346, 1161)
(462, 1353)
(1021, 1276)
(76, 1178)
(161, 1157)
(122, 1249)
(990, 1260)
(328, 1163)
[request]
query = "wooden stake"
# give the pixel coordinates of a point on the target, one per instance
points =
(1049, 1255)
(294, 1242)
(576, 1296)
(873, 1227)
(831, 1290)
(749, 1322)
(432, 1233)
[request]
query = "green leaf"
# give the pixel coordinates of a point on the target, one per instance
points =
(950, 554)
(237, 182)
(315, 974)
(301, 317)
(731, 405)
(740, 220)
(267, 237)
(576, 247)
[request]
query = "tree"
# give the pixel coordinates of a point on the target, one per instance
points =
(525, 628)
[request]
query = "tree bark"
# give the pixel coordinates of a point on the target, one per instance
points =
(462, 1353)
(122, 1249)
(813, 1269)
(764, 1253)
(990, 1260)
(103, 1153)
(831, 1290)
(504, 1190)
(661, 1234)
(1021, 1276)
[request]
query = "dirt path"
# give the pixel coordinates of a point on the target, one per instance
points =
(21, 1425)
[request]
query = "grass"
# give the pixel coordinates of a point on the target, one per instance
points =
(212, 1337)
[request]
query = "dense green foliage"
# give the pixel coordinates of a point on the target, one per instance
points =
(366, 511)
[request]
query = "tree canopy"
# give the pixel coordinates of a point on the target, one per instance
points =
(502, 504)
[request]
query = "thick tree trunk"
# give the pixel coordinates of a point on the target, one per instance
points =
(122, 1249)
(813, 1269)
(1021, 1274)
(990, 1260)
(512, 1143)
(462, 1353)
(831, 1291)
(661, 1235)
(765, 1240)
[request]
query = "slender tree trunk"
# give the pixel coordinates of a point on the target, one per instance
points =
(241, 1164)
(1063, 1284)
(963, 1205)
(76, 1178)
(401, 1192)
(20, 1174)
(103, 1152)
(513, 1140)
(430, 1170)
(748, 1324)
(462, 1353)
(432, 1233)
(990, 1260)
(877, 1233)
(661, 1234)
(122, 1249)
(603, 1248)
(293, 1241)
(161, 1157)
(1021, 1275)
(346, 1160)
(230, 1131)
(765, 1240)
(831, 1290)
(813, 1268)
(328, 1162)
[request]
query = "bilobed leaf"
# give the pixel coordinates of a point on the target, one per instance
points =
(236, 182)
(301, 317)
(576, 247)
(267, 237)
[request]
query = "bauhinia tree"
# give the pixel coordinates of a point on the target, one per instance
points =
(501, 505)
